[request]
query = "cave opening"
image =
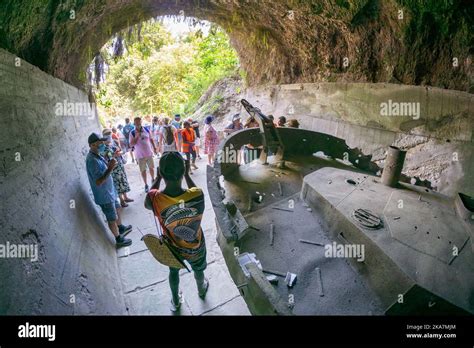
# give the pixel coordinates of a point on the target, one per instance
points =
(346, 82)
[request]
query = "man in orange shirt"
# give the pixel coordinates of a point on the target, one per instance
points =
(189, 138)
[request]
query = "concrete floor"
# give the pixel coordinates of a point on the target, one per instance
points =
(344, 294)
(145, 281)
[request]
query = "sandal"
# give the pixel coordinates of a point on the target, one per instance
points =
(128, 200)
(124, 205)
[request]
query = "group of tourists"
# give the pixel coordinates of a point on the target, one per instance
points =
(179, 210)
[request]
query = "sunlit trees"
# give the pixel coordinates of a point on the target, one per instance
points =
(157, 73)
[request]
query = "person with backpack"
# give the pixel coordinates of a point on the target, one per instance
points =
(177, 124)
(168, 137)
(126, 133)
(142, 141)
(189, 138)
(180, 212)
(155, 131)
(197, 143)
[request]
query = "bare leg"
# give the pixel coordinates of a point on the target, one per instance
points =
(119, 216)
(152, 173)
(174, 284)
(113, 227)
(144, 177)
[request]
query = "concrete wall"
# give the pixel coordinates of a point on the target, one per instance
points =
(439, 142)
(42, 177)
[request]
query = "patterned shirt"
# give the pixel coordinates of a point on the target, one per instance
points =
(180, 218)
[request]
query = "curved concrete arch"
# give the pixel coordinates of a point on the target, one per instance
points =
(277, 41)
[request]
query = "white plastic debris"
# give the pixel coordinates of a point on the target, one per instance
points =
(246, 258)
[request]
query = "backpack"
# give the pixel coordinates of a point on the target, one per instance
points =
(126, 130)
(168, 135)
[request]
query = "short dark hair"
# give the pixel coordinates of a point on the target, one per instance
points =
(137, 118)
(172, 166)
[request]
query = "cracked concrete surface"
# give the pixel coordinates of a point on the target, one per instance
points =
(145, 281)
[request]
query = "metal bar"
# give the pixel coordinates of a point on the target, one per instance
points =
(283, 209)
(320, 282)
(310, 242)
(272, 233)
(274, 272)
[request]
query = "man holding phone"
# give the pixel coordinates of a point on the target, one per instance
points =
(142, 140)
(102, 185)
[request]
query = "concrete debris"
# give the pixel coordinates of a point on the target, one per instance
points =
(280, 189)
(309, 209)
(273, 279)
(246, 258)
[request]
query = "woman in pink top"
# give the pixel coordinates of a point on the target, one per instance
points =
(144, 147)
(211, 140)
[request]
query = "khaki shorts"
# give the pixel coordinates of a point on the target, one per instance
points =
(145, 162)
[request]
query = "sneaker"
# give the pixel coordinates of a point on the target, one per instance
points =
(176, 307)
(203, 293)
(121, 242)
(124, 230)
(147, 188)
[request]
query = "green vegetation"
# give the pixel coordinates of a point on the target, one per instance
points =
(156, 73)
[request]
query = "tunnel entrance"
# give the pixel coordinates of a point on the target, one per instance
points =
(333, 67)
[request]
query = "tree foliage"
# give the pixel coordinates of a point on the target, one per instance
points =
(157, 73)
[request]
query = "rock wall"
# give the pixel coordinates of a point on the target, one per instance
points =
(410, 42)
(46, 200)
(439, 138)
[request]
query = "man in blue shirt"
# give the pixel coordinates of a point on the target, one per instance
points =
(127, 129)
(102, 185)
